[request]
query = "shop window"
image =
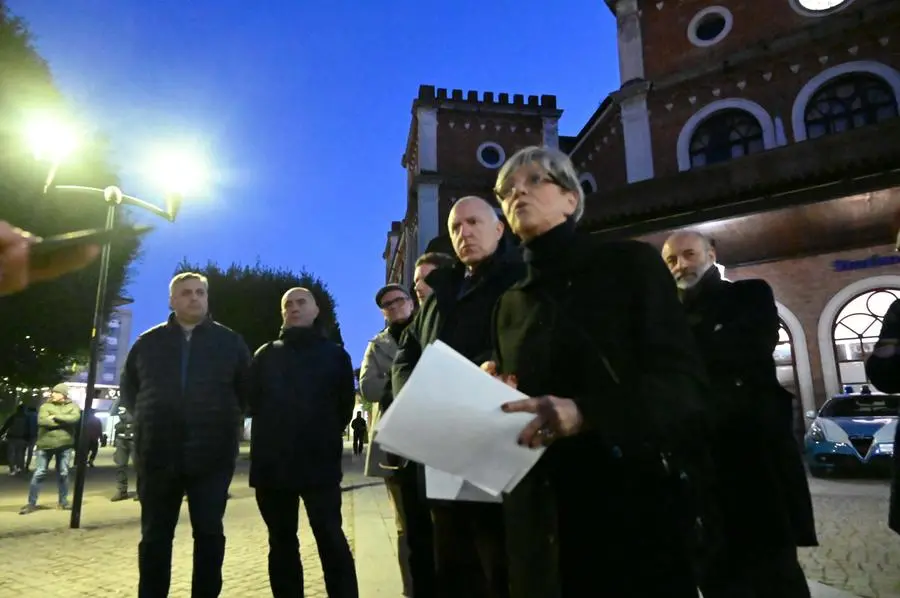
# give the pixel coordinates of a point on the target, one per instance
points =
(849, 102)
(856, 330)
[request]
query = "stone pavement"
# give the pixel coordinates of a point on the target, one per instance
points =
(42, 558)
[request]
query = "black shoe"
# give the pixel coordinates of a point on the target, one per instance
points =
(63, 506)
(119, 496)
(29, 508)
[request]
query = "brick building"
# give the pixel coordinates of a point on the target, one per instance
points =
(770, 125)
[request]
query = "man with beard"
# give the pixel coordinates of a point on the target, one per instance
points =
(468, 536)
(301, 400)
(762, 492)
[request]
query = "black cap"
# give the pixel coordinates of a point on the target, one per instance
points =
(387, 289)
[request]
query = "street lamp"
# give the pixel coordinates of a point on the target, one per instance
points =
(52, 140)
(178, 170)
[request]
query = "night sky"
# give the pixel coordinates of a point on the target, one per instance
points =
(305, 107)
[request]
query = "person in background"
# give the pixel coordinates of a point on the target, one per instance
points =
(358, 425)
(16, 429)
(185, 383)
(18, 270)
(883, 370)
(397, 308)
(124, 443)
(425, 265)
(94, 430)
(301, 398)
(761, 486)
(57, 422)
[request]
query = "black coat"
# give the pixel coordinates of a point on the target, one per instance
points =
(302, 395)
(601, 324)
(459, 317)
(764, 495)
(883, 369)
(187, 397)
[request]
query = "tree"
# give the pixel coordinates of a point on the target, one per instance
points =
(247, 299)
(45, 328)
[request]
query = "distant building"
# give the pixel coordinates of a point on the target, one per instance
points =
(113, 347)
(770, 125)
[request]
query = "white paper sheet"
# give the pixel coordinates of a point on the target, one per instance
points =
(440, 485)
(448, 416)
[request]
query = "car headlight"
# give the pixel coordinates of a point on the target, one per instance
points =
(816, 433)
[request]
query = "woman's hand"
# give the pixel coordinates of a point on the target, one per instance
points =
(556, 417)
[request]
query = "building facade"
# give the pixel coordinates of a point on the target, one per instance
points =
(114, 347)
(770, 125)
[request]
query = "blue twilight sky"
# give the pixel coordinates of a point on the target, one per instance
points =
(306, 107)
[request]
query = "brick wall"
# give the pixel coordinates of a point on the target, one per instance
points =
(602, 153)
(806, 285)
(773, 83)
(664, 26)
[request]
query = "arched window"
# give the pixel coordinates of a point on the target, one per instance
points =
(849, 102)
(727, 134)
(856, 330)
(786, 370)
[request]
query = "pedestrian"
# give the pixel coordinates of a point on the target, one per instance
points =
(16, 429)
(301, 399)
(468, 549)
(94, 430)
(185, 382)
(58, 419)
(595, 336)
(124, 443)
(358, 425)
(883, 369)
(761, 488)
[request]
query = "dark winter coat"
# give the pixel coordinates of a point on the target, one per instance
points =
(301, 400)
(883, 369)
(458, 312)
(601, 324)
(187, 396)
(764, 495)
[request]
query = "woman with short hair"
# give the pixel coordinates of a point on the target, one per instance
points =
(596, 336)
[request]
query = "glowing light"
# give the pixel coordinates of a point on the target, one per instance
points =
(181, 171)
(51, 138)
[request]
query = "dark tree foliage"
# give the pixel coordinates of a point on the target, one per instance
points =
(248, 299)
(44, 329)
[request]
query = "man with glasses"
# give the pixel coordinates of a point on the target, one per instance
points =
(396, 306)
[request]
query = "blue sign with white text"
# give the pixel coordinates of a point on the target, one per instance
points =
(875, 261)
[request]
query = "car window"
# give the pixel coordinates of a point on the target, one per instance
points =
(861, 406)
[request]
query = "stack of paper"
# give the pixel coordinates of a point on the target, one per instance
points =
(448, 417)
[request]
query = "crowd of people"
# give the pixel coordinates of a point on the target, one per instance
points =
(639, 369)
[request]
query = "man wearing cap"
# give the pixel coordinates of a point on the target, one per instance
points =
(396, 306)
(57, 420)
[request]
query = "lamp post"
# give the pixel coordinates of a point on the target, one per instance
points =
(113, 197)
(52, 140)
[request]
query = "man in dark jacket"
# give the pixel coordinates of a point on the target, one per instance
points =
(124, 443)
(468, 536)
(185, 384)
(762, 490)
(16, 429)
(883, 369)
(301, 401)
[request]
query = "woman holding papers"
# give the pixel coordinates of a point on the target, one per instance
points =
(596, 335)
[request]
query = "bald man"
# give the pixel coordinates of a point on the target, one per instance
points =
(301, 400)
(468, 536)
(762, 490)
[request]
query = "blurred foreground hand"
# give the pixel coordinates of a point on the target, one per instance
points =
(17, 270)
